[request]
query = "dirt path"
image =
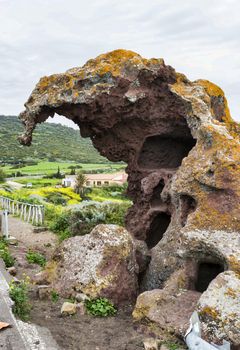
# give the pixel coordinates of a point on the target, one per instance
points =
(25, 234)
(42, 242)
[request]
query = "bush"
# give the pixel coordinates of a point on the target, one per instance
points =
(60, 222)
(100, 307)
(56, 198)
(2, 175)
(36, 258)
(18, 292)
(82, 220)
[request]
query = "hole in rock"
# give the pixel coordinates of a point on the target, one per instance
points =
(167, 152)
(157, 229)
(188, 206)
(156, 199)
(206, 273)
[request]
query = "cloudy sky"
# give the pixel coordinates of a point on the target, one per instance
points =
(200, 38)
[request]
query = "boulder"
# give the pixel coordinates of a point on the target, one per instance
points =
(168, 309)
(100, 264)
(219, 309)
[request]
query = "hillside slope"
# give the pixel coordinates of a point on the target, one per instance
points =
(51, 141)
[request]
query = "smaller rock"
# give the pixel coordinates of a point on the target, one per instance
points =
(164, 347)
(44, 292)
(151, 344)
(81, 308)
(68, 308)
(16, 280)
(39, 229)
(143, 255)
(12, 270)
(40, 278)
(81, 297)
(12, 240)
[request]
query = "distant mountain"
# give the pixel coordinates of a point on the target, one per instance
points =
(51, 142)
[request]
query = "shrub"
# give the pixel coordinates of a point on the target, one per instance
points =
(84, 218)
(60, 222)
(100, 307)
(2, 175)
(56, 198)
(18, 292)
(36, 258)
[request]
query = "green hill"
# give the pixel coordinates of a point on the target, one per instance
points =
(50, 142)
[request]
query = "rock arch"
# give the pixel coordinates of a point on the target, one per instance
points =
(168, 130)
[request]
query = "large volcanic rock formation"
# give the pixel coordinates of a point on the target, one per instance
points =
(183, 155)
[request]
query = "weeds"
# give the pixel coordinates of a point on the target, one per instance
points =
(36, 258)
(100, 307)
(54, 296)
(18, 292)
(5, 254)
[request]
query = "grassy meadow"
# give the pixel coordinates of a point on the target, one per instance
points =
(47, 168)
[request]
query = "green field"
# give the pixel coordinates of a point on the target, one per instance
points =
(47, 168)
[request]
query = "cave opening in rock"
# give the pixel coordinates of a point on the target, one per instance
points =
(206, 273)
(188, 205)
(156, 196)
(157, 229)
(164, 152)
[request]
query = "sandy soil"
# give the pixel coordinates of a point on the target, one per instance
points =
(83, 332)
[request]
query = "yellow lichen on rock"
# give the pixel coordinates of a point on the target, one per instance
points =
(115, 61)
(215, 91)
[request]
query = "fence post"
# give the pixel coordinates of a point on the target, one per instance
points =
(5, 224)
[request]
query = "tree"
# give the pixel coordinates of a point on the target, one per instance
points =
(2, 175)
(58, 174)
(79, 183)
(73, 171)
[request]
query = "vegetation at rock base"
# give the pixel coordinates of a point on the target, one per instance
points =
(5, 254)
(101, 307)
(18, 292)
(36, 258)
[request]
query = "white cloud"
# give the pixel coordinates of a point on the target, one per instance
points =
(39, 37)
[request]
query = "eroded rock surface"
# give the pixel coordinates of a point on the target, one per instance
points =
(182, 151)
(219, 309)
(100, 264)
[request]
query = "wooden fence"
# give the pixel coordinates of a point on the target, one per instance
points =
(28, 212)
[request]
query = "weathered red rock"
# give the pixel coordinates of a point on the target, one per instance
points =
(182, 151)
(100, 264)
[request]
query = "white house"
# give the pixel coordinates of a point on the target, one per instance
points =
(97, 179)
